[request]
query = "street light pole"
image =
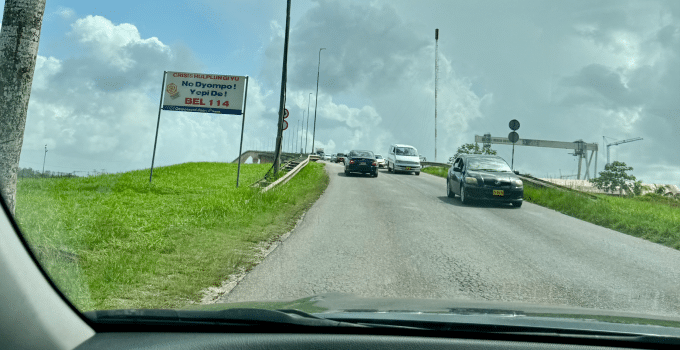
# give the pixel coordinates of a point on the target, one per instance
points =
(297, 126)
(309, 99)
(316, 98)
(44, 157)
(436, 73)
(302, 128)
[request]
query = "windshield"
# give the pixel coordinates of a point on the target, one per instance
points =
(162, 164)
(405, 151)
(361, 154)
(488, 164)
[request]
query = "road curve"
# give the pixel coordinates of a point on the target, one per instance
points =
(399, 235)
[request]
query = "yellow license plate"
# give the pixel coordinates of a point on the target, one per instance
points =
(498, 193)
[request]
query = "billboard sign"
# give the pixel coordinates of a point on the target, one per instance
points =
(204, 93)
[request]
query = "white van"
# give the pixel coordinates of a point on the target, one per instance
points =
(403, 158)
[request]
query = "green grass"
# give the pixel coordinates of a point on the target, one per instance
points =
(436, 170)
(652, 217)
(115, 241)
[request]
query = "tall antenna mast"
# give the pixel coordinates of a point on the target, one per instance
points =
(436, 73)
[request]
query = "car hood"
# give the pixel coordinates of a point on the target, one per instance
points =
(349, 306)
(407, 158)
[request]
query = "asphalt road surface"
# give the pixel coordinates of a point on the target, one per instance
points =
(399, 235)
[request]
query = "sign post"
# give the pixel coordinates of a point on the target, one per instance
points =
(243, 125)
(202, 93)
(158, 123)
(513, 137)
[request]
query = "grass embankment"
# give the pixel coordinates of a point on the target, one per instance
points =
(436, 170)
(652, 217)
(115, 241)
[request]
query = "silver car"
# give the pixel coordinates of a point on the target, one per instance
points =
(380, 160)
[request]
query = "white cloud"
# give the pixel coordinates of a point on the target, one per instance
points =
(99, 110)
(115, 44)
(65, 12)
(376, 83)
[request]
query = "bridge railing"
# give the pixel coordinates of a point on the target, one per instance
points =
(289, 175)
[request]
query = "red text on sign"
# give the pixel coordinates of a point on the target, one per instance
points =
(194, 101)
(199, 101)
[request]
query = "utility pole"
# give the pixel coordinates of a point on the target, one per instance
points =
(316, 98)
(436, 74)
(282, 100)
(44, 157)
(309, 99)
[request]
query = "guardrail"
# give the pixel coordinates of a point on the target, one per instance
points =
(289, 175)
(542, 183)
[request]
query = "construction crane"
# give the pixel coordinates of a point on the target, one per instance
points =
(616, 143)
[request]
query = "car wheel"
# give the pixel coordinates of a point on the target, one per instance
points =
(449, 193)
(463, 198)
(376, 173)
(517, 204)
(346, 172)
(417, 173)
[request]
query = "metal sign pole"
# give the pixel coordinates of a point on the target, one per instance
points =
(158, 123)
(243, 124)
(436, 71)
(513, 156)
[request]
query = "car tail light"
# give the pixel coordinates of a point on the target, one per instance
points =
(374, 163)
(351, 162)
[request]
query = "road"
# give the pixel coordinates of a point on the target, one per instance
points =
(399, 235)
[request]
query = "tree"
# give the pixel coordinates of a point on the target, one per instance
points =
(473, 148)
(615, 177)
(19, 37)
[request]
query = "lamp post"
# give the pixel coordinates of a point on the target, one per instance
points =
(44, 157)
(301, 129)
(436, 73)
(309, 99)
(297, 126)
(316, 98)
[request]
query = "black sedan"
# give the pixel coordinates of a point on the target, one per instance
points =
(484, 177)
(361, 162)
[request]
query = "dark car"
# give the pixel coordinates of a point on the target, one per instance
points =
(361, 162)
(484, 177)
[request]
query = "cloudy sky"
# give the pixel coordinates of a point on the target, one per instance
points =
(566, 70)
